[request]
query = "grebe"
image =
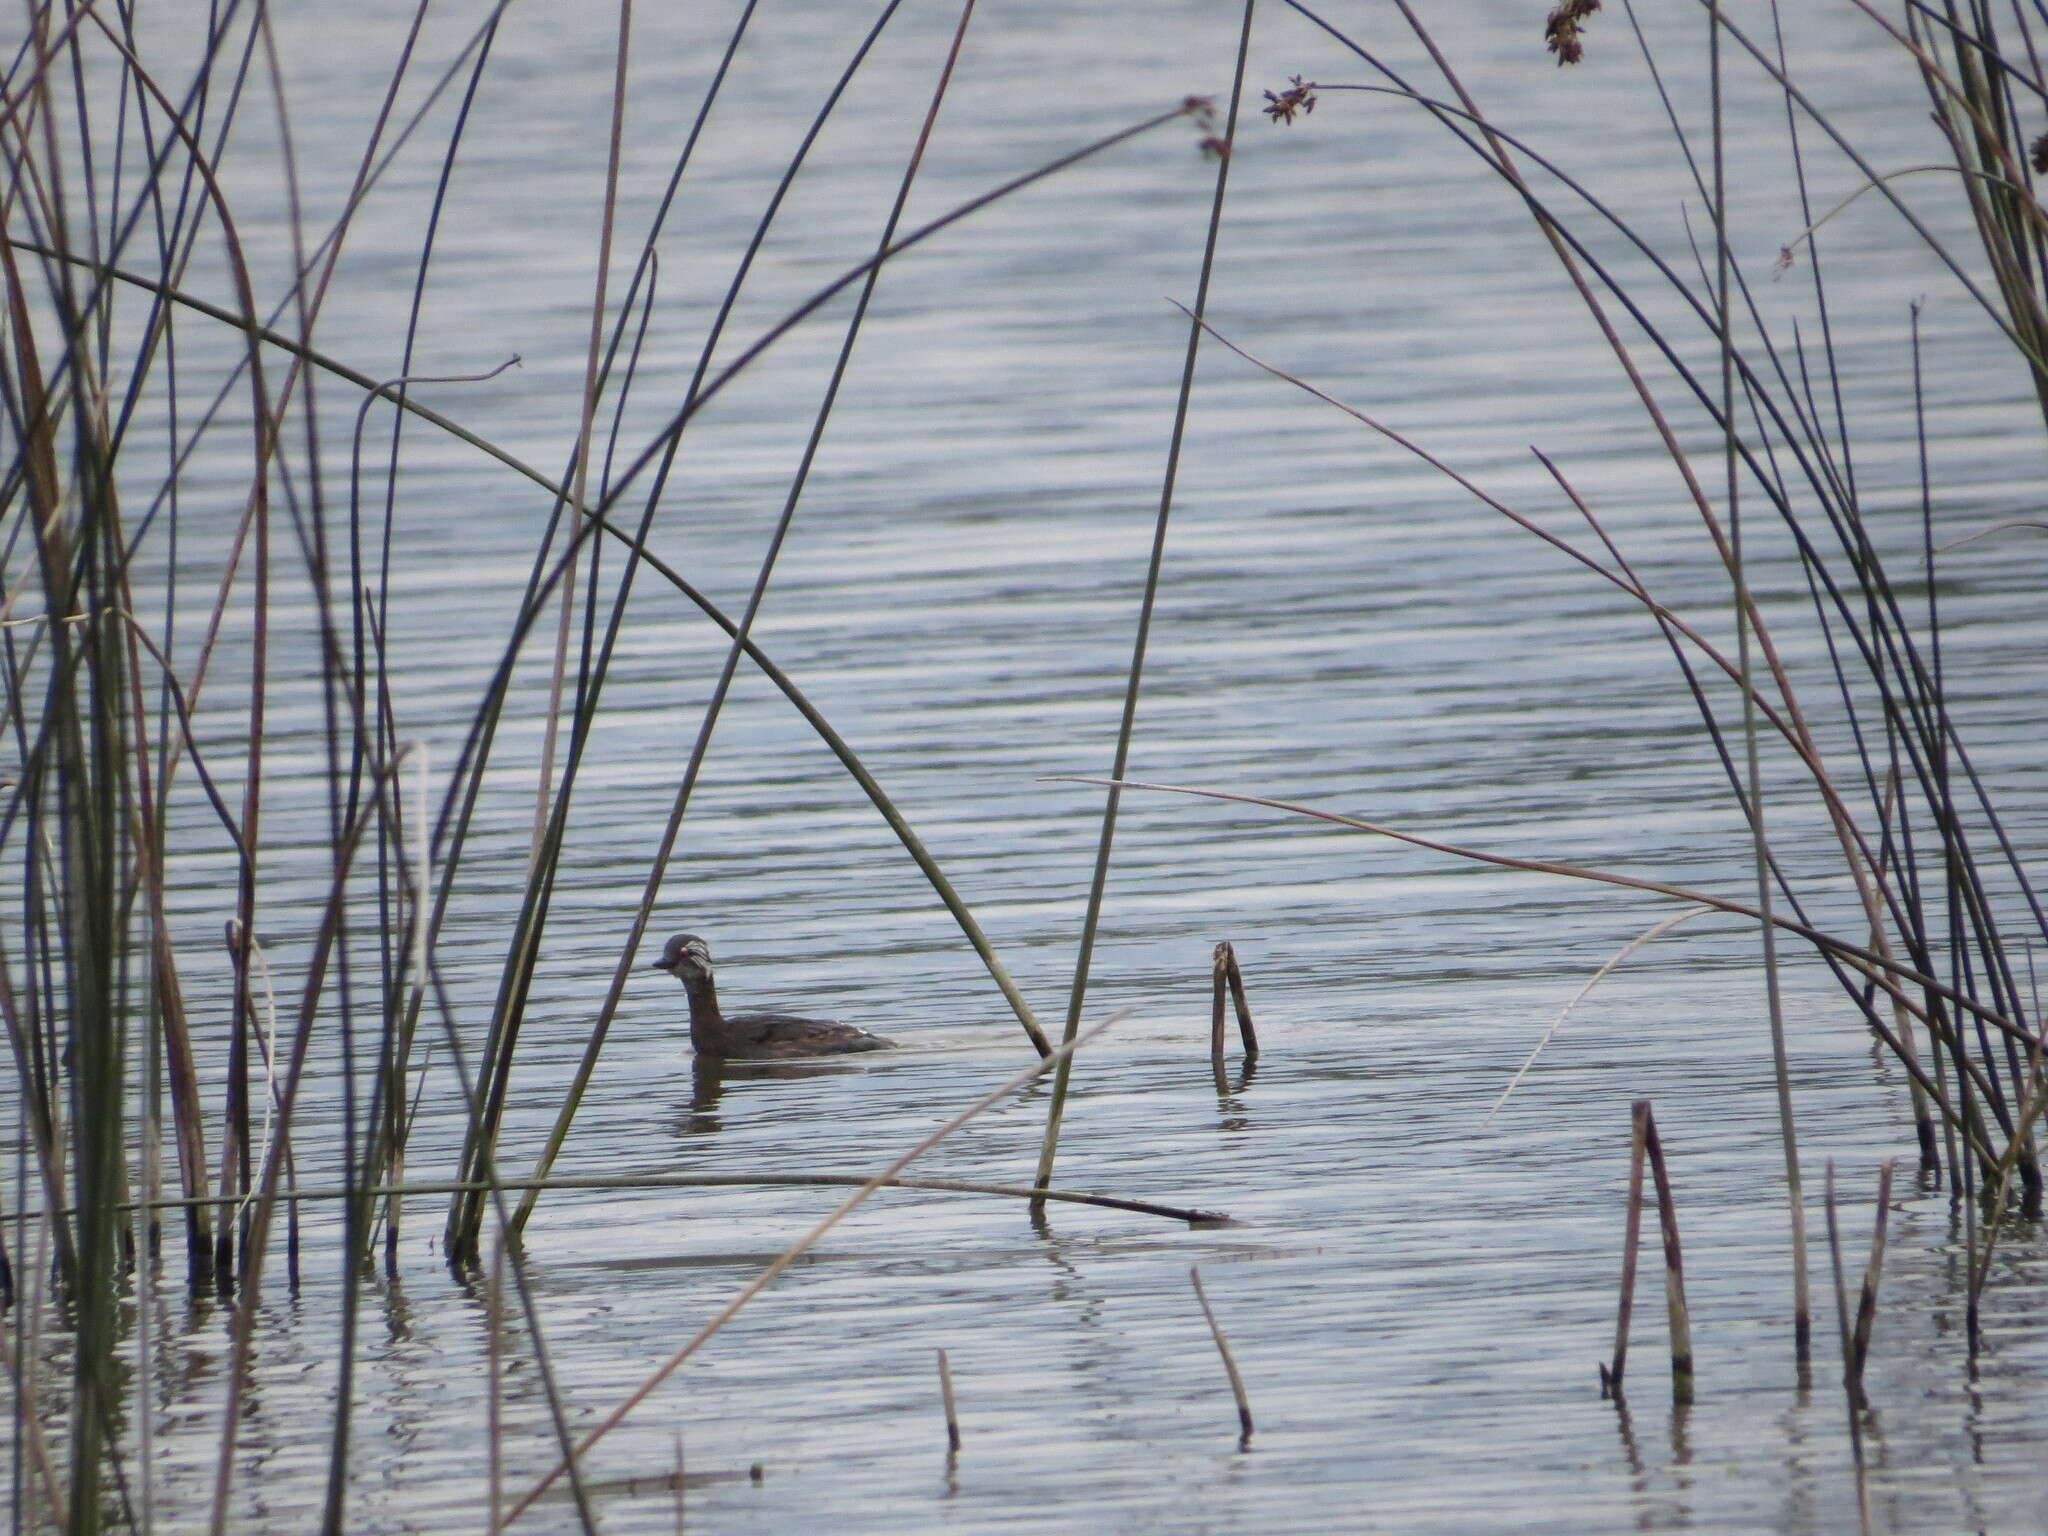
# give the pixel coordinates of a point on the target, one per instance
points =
(750, 1036)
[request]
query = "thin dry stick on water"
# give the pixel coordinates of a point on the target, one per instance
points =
(1244, 1406)
(762, 1281)
(952, 1413)
(1674, 1260)
(1631, 1243)
(1193, 1217)
(1655, 930)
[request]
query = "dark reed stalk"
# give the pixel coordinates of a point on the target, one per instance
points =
(1194, 1217)
(1631, 1244)
(169, 1047)
(1247, 1032)
(1873, 1272)
(1978, 1253)
(1852, 1387)
(1084, 956)
(952, 1411)
(1218, 967)
(1679, 1314)
(385, 1155)
(1752, 756)
(1237, 1392)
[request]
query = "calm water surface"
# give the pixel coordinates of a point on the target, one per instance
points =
(1417, 1302)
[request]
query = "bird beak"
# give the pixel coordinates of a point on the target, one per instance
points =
(654, 965)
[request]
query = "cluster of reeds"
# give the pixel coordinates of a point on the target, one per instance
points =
(139, 721)
(138, 337)
(1938, 966)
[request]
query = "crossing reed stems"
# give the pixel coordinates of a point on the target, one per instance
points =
(1645, 1146)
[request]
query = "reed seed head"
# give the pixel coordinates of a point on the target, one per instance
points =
(1561, 31)
(1300, 96)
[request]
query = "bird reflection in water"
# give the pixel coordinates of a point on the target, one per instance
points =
(709, 1076)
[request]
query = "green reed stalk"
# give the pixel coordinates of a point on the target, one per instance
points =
(1134, 676)
(1738, 570)
(75, 788)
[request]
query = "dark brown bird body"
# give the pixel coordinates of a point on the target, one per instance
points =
(751, 1036)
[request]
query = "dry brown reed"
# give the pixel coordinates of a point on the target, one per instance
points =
(1646, 1146)
(952, 1412)
(1237, 1392)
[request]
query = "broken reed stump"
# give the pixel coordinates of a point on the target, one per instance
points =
(1225, 973)
(1244, 1406)
(1631, 1241)
(1849, 1388)
(1856, 1328)
(952, 1413)
(1645, 1145)
(1866, 1301)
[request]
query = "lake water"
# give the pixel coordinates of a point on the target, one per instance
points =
(1417, 1299)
